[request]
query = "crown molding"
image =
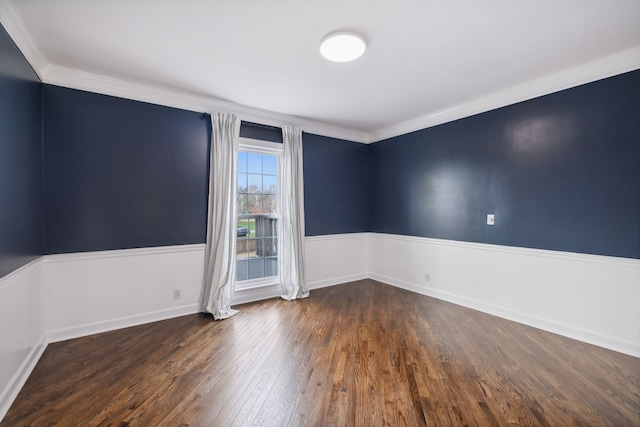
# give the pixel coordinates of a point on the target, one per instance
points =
(12, 21)
(82, 80)
(605, 67)
(608, 66)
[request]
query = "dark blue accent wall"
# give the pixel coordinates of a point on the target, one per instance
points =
(21, 208)
(121, 173)
(560, 172)
(125, 174)
(335, 185)
(260, 132)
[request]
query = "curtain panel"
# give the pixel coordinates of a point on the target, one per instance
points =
(220, 249)
(292, 191)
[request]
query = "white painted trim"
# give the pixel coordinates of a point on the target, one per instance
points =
(575, 256)
(317, 284)
(258, 293)
(12, 21)
(117, 253)
(119, 323)
(10, 392)
(348, 259)
(354, 265)
(596, 70)
(576, 76)
(76, 79)
(421, 249)
(330, 237)
(24, 340)
(579, 334)
(18, 273)
(248, 295)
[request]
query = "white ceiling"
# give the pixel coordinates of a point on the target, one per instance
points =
(427, 61)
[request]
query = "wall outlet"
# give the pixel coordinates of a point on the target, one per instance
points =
(177, 294)
(427, 277)
(491, 219)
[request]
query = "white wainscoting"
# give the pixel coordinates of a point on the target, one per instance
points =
(595, 299)
(334, 259)
(329, 260)
(93, 292)
(591, 298)
(22, 329)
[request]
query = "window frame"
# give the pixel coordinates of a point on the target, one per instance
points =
(248, 145)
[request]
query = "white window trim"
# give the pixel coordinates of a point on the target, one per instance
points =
(272, 148)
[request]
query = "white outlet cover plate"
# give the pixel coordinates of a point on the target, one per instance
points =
(491, 219)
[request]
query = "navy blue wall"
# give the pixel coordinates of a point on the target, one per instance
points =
(335, 185)
(21, 212)
(335, 181)
(122, 174)
(126, 174)
(560, 172)
(261, 132)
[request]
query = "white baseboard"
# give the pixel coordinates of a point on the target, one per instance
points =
(84, 330)
(245, 296)
(338, 280)
(23, 330)
(591, 298)
(94, 292)
(10, 392)
(98, 291)
(329, 260)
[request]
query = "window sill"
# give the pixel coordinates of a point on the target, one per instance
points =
(256, 292)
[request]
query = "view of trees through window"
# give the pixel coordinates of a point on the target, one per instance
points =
(257, 205)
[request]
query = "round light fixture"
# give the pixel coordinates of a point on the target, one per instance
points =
(342, 46)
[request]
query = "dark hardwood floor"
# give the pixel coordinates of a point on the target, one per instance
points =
(362, 353)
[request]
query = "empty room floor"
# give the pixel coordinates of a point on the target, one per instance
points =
(361, 353)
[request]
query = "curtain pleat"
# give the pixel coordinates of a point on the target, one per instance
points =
(219, 262)
(292, 196)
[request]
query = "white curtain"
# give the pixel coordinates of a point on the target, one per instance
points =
(292, 196)
(219, 259)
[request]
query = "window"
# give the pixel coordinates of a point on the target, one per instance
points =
(257, 244)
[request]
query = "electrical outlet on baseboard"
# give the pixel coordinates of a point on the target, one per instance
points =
(427, 277)
(177, 294)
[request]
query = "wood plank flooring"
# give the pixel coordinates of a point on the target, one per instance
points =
(358, 354)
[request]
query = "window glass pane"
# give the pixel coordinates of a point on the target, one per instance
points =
(242, 204)
(256, 268)
(242, 162)
(270, 247)
(242, 246)
(259, 246)
(254, 163)
(255, 183)
(269, 184)
(256, 233)
(242, 269)
(242, 231)
(254, 204)
(269, 165)
(270, 267)
(242, 183)
(269, 204)
(252, 227)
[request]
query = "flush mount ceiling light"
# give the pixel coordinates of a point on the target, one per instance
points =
(342, 46)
